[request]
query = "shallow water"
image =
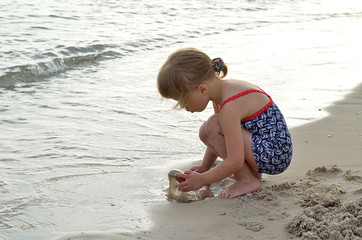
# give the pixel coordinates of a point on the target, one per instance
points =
(85, 141)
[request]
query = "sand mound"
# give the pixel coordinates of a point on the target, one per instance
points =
(325, 204)
(326, 217)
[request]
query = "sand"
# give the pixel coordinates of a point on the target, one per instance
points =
(318, 197)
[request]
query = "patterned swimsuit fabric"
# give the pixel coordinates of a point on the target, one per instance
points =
(271, 141)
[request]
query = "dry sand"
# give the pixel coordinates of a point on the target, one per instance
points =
(318, 197)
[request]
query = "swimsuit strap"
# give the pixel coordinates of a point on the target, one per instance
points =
(245, 93)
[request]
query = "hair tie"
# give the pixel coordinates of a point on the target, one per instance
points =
(218, 64)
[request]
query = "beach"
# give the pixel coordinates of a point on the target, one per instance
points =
(87, 142)
(318, 197)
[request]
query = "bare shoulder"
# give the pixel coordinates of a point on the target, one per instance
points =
(234, 111)
(243, 106)
(234, 86)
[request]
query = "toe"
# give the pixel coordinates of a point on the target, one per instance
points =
(221, 195)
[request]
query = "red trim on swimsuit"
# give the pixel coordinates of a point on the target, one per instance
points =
(247, 92)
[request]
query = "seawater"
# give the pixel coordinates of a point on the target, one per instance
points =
(85, 140)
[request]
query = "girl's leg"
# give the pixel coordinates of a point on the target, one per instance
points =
(247, 178)
(211, 135)
(245, 182)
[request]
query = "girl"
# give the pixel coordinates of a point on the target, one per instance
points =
(247, 131)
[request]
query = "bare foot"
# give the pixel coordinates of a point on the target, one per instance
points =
(240, 187)
(258, 175)
(255, 173)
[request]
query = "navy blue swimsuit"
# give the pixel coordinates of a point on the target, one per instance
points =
(271, 142)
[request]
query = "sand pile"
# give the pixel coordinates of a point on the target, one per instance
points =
(327, 215)
(325, 204)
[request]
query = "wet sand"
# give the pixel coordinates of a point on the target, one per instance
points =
(318, 197)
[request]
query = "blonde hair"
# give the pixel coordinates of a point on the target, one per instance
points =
(183, 71)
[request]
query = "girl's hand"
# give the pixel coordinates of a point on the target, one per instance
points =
(181, 179)
(193, 181)
(199, 169)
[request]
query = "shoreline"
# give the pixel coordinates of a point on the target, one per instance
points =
(325, 173)
(342, 128)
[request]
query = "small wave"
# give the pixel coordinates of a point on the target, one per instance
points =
(65, 58)
(2, 183)
(55, 179)
(30, 73)
(91, 165)
(63, 17)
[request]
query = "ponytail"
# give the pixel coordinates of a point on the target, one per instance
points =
(220, 67)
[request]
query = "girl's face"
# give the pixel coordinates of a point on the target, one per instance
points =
(197, 100)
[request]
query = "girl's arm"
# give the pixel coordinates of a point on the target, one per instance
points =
(207, 162)
(230, 123)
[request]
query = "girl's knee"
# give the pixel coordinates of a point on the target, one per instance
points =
(202, 133)
(212, 124)
(209, 128)
(211, 135)
(213, 119)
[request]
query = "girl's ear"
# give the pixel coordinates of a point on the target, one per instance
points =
(203, 88)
